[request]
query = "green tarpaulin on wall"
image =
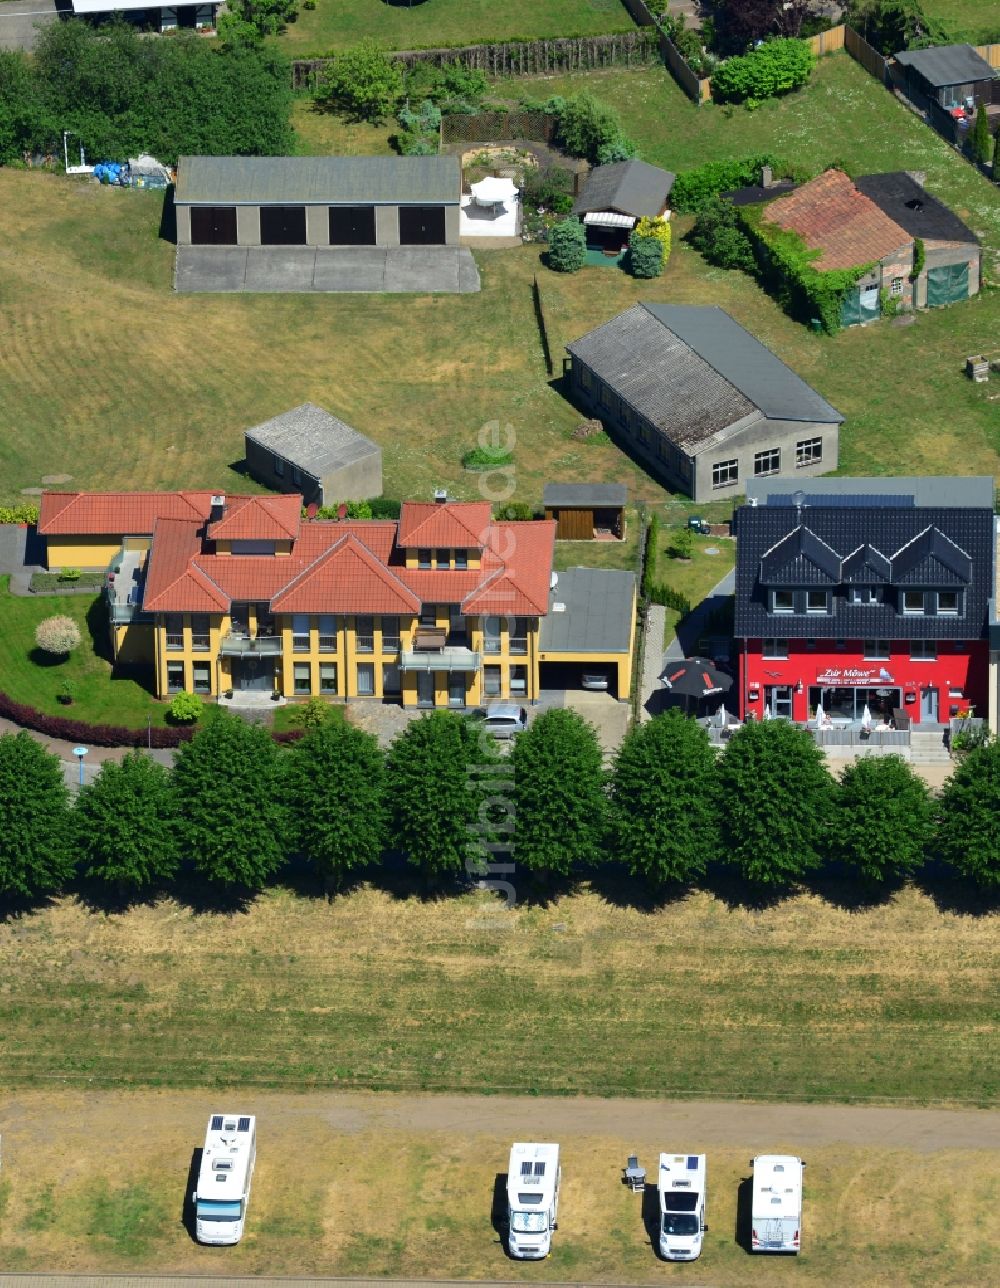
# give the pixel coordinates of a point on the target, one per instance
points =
(947, 285)
(859, 306)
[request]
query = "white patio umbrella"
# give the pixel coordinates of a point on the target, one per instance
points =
(767, 711)
(820, 715)
(866, 718)
(493, 192)
(721, 717)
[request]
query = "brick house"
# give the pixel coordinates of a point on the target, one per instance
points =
(849, 230)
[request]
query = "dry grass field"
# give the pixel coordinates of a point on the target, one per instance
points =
(590, 993)
(350, 1185)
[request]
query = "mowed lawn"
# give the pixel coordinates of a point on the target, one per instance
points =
(337, 24)
(586, 994)
(346, 1186)
(976, 21)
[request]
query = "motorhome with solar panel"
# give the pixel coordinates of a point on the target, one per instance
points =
(227, 1161)
(776, 1206)
(681, 1185)
(533, 1178)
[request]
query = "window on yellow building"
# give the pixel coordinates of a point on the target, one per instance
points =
(442, 558)
(491, 635)
(423, 558)
(201, 635)
(518, 680)
(491, 681)
(328, 677)
(302, 678)
(366, 680)
(392, 681)
(390, 634)
(175, 677)
(202, 677)
(175, 630)
(300, 632)
(461, 559)
(519, 634)
(364, 634)
(327, 633)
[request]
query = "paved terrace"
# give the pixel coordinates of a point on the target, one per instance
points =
(420, 270)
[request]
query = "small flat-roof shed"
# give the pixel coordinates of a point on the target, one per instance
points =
(586, 511)
(947, 75)
(309, 451)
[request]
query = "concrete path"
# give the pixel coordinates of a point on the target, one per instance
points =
(652, 663)
(693, 626)
(420, 270)
(19, 19)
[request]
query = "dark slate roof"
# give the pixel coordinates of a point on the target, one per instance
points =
(947, 64)
(754, 194)
(943, 546)
(314, 440)
(632, 187)
(318, 180)
(800, 559)
(909, 204)
(694, 372)
(583, 495)
(597, 612)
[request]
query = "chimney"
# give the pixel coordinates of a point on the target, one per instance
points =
(218, 507)
(440, 496)
(766, 176)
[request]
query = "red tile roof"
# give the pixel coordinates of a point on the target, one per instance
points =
(354, 567)
(346, 579)
(116, 513)
(833, 217)
(258, 518)
(447, 524)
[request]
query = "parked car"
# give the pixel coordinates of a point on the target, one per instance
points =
(505, 719)
(596, 681)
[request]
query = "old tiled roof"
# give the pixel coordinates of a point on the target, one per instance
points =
(116, 513)
(444, 524)
(258, 518)
(834, 218)
(521, 554)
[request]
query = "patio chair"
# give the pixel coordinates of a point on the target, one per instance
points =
(633, 1175)
(900, 719)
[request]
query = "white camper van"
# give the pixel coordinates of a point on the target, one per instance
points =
(220, 1201)
(681, 1185)
(533, 1178)
(776, 1209)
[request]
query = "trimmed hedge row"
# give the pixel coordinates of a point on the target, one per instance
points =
(105, 735)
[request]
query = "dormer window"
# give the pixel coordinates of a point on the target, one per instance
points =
(442, 558)
(913, 602)
(817, 601)
(461, 559)
(864, 595)
(423, 559)
(948, 603)
(782, 601)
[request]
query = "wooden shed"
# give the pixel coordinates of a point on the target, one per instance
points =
(586, 511)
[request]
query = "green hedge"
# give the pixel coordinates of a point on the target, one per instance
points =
(694, 189)
(24, 513)
(776, 67)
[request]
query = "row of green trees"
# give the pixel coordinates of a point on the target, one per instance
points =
(234, 807)
(118, 94)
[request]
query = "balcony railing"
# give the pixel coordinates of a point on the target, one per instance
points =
(444, 659)
(233, 645)
(518, 644)
(365, 643)
(491, 645)
(175, 641)
(390, 643)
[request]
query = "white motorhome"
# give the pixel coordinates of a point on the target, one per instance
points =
(776, 1207)
(227, 1161)
(682, 1184)
(533, 1177)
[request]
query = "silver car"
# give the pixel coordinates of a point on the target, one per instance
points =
(505, 719)
(596, 681)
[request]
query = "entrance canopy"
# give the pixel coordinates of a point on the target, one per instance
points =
(608, 219)
(493, 192)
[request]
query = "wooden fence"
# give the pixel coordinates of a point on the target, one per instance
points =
(869, 58)
(515, 57)
(498, 127)
(991, 53)
(828, 42)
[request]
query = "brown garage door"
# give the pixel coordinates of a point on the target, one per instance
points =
(421, 226)
(282, 225)
(213, 225)
(352, 225)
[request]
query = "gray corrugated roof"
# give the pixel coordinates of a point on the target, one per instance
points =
(597, 617)
(584, 494)
(756, 372)
(939, 491)
(314, 440)
(925, 216)
(693, 372)
(318, 180)
(632, 187)
(662, 377)
(947, 64)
